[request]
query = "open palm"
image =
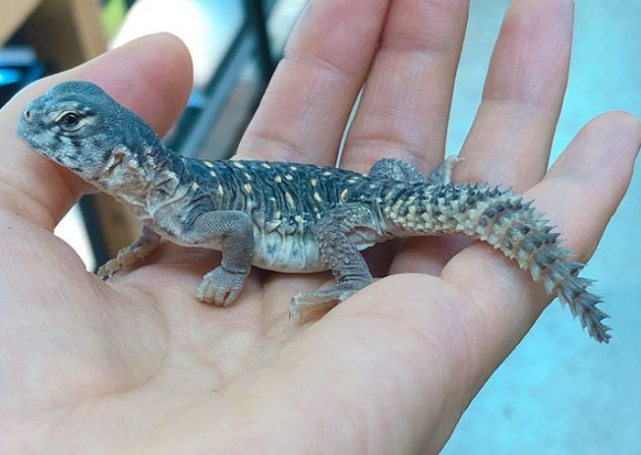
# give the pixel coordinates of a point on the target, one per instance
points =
(137, 365)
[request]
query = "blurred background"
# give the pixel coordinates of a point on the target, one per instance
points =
(559, 392)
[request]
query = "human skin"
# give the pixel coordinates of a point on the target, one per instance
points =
(136, 365)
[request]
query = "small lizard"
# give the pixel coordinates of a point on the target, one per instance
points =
(282, 216)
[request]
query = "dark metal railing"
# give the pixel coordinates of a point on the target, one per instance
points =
(250, 41)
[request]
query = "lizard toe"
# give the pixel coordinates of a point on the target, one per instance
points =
(109, 268)
(221, 287)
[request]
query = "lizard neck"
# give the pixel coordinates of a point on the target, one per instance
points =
(136, 176)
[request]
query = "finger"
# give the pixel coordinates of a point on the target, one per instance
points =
(580, 194)
(304, 111)
(510, 139)
(509, 142)
(151, 76)
(593, 175)
(405, 104)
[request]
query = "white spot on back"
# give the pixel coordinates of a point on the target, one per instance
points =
(290, 199)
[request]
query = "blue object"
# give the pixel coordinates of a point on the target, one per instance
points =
(9, 76)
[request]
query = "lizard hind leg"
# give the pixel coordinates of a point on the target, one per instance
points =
(396, 170)
(142, 247)
(442, 175)
(336, 234)
(405, 172)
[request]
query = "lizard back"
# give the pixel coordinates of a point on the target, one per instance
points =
(284, 201)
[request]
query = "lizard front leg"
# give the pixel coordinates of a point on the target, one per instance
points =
(142, 247)
(335, 233)
(232, 232)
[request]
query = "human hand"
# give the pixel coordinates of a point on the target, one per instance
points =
(138, 365)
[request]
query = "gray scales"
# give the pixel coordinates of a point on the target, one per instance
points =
(282, 216)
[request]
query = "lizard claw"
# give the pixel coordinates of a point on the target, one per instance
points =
(309, 301)
(220, 287)
(296, 307)
(126, 257)
(109, 268)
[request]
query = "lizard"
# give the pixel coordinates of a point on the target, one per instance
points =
(287, 217)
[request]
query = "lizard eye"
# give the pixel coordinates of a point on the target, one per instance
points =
(70, 121)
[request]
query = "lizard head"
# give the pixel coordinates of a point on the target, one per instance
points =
(79, 126)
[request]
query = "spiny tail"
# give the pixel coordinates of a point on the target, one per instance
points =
(510, 225)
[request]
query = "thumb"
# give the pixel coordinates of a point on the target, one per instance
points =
(151, 76)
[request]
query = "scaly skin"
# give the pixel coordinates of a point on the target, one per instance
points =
(283, 216)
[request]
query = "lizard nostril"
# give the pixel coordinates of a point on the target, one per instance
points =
(27, 114)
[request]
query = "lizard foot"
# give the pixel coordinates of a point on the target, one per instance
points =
(220, 287)
(125, 257)
(141, 248)
(305, 301)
